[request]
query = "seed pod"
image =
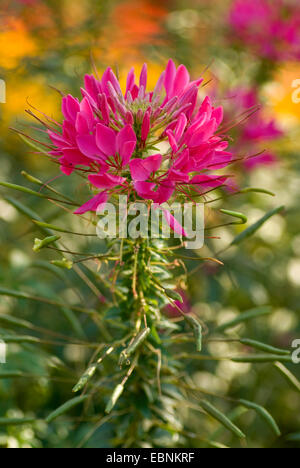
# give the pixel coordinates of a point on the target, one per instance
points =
(84, 379)
(138, 340)
(173, 295)
(264, 347)
(216, 414)
(264, 414)
(66, 407)
(114, 398)
(197, 329)
(64, 263)
(41, 244)
(243, 219)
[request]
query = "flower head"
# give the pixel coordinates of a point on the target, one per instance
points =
(270, 27)
(116, 138)
(256, 131)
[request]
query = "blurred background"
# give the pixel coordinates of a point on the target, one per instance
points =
(48, 45)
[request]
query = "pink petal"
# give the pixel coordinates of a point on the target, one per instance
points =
(143, 77)
(87, 145)
(127, 151)
(75, 157)
(124, 136)
(106, 140)
(56, 139)
(145, 127)
(66, 167)
(141, 169)
(180, 127)
(106, 180)
(182, 79)
(173, 223)
(169, 78)
(70, 107)
(145, 190)
(208, 181)
(81, 125)
(130, 81)
(172, 141)
(95, 204)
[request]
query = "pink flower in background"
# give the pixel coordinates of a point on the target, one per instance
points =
(114, 138)
(270, 27)
(185, 306)
(256, 132)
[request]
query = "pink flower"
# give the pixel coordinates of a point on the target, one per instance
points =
(109, 136)
(256, 131)
(270, 27)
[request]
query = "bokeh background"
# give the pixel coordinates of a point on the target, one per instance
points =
(50, 44)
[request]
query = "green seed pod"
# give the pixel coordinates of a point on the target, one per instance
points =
(66, 407)
(64, 263)
(85, 378)
(138, 340)
(173, 295)
(197, 329)
(114, 398)
(216, 414)
(243, 219)
(264, 347)
(41, 244)
(264, 414)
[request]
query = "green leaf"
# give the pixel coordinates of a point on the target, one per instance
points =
(20, 188)
(15, 421)
(216, 414)
(28, 213)
(11, 375)
(20, 339)
(9, 320)
(66, 407)
(291, 379)
(255, 227)
(264, 414)
(244, 317)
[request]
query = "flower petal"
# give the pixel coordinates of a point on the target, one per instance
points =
(106, 180)
(95, 204)
(106, 140)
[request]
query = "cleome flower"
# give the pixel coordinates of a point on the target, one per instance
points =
(270, 27)
(116, 138)
(257, 130)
